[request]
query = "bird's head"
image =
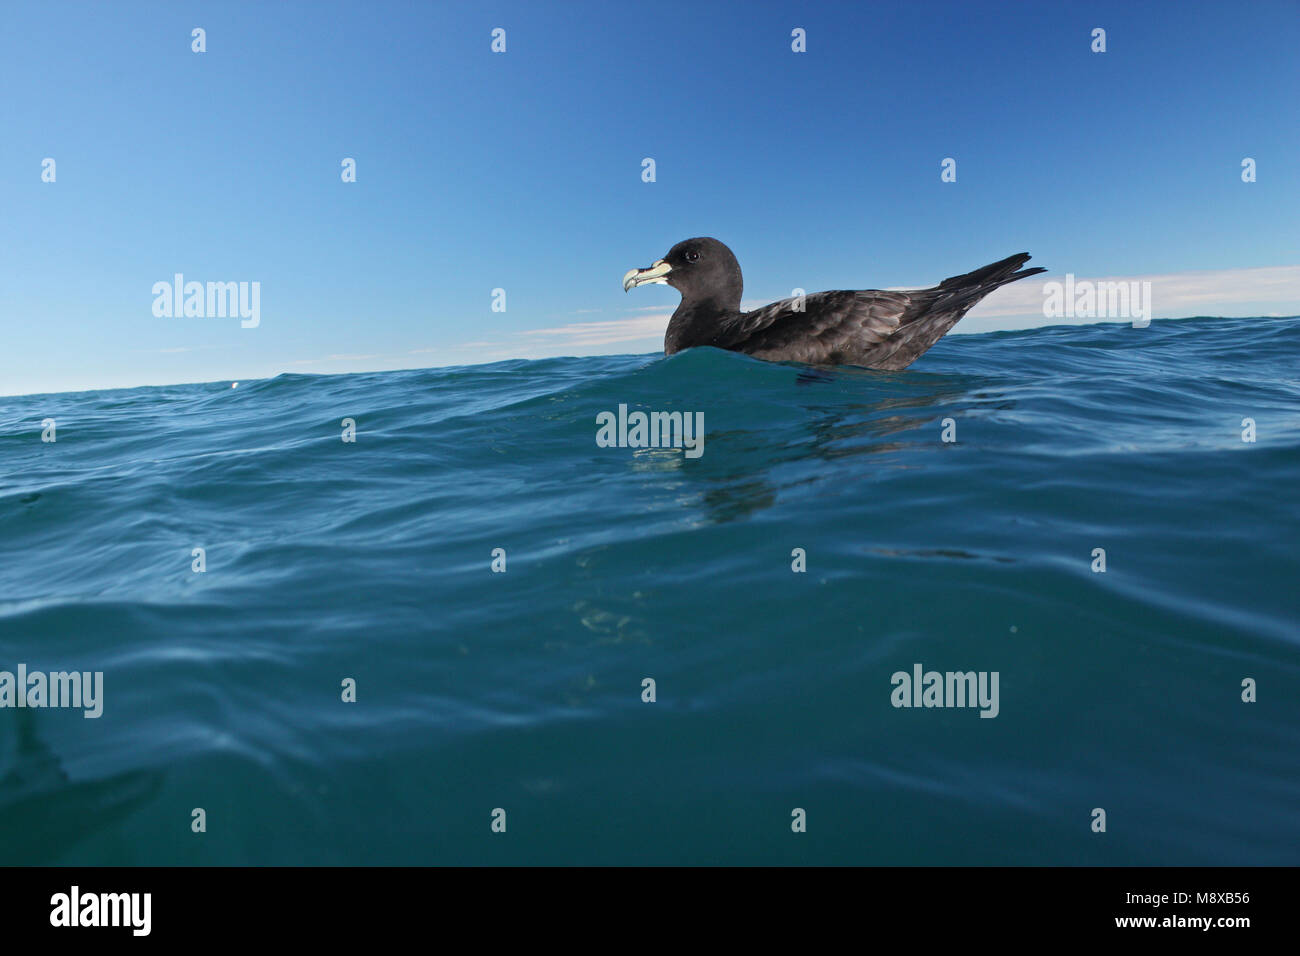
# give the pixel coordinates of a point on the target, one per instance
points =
(703, 270)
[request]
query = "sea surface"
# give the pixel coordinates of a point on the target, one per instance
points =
(522, 691)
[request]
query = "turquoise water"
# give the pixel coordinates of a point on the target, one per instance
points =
(522, 690)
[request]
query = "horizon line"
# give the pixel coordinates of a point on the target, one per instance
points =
(235, 380)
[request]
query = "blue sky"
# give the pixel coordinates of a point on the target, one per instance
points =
(522, 170)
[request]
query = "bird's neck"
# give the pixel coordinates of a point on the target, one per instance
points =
(697, 322)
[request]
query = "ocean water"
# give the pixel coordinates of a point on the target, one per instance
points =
(522, 690)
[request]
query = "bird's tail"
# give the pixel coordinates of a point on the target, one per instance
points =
(981, 282)
(932, 312)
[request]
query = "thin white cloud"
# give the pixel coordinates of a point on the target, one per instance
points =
(1173, 295)
(177, 350)
(335, 358)
(607, 332)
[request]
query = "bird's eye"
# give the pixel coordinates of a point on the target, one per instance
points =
(692, 257)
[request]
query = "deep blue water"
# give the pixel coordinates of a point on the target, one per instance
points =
(522, 690)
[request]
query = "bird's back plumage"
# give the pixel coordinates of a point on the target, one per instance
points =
(870, 328)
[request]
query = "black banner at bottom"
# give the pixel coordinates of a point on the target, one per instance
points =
(341, 904)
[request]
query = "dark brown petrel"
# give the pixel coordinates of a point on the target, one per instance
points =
(871, 328)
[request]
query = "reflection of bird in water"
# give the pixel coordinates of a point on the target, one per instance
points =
(813, 376)
(831, 425)
(43, 813)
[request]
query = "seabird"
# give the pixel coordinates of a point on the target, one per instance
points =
(870, 328)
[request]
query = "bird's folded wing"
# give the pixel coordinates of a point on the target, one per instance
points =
(829, 328)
